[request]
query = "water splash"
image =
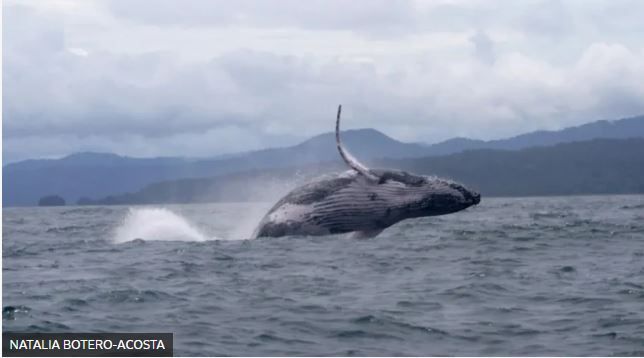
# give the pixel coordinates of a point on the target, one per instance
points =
(264, 194)
(248, 220)
(156, 224)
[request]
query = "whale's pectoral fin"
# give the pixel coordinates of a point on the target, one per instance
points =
(351, 161)
(365, 234)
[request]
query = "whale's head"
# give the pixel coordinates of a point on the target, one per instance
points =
(419, 195)
(410, 195)
(441, 196)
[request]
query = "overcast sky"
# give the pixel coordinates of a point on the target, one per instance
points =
(201, 78)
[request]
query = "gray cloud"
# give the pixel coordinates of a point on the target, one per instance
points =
(270, 84)
(483, 47)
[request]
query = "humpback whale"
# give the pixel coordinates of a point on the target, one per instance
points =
(362, 201)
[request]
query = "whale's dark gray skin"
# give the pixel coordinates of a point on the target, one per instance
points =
(362, 201)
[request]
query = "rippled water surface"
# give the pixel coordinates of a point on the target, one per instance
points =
(522, 276)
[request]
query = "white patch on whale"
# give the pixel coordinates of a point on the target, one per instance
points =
(290, 212)
(348, 174)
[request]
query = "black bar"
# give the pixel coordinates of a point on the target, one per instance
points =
(86, 344)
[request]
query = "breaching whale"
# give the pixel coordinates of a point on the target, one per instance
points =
(361, 200)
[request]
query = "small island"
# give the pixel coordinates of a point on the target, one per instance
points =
(51, 200)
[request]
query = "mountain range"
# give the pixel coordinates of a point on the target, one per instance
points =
(599, 166)
(90, 176)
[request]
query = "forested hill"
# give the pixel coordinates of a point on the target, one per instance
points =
(601, 166)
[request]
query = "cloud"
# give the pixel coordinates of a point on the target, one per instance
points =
(483, 47)
(122, 82)
(373, 16)
(31, 33)
(549, 18)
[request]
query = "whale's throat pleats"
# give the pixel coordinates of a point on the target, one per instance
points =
(351, 161)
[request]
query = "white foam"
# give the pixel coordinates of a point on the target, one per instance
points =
(156, 224)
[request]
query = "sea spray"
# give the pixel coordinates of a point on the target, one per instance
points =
(264, 195)
(162, 224)
(156, 224)
(247, 221)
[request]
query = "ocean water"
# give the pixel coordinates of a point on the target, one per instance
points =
(520, 276)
